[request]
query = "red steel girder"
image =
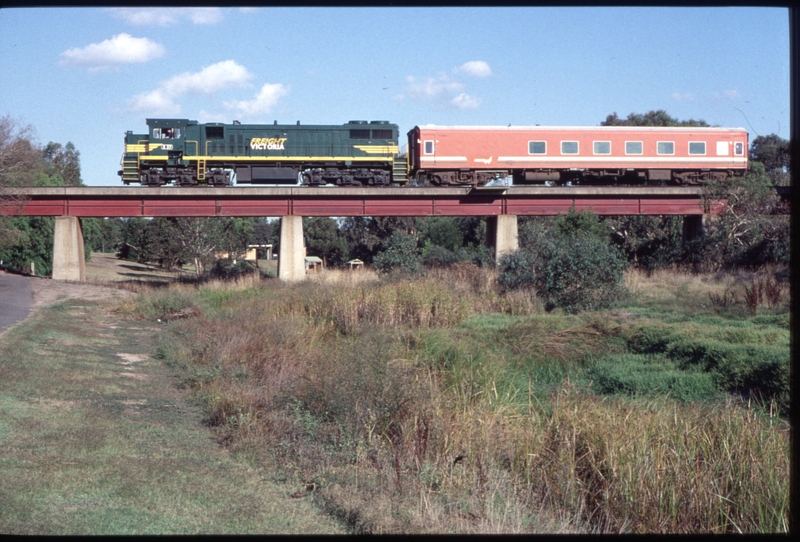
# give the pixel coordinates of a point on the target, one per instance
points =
(301, 201)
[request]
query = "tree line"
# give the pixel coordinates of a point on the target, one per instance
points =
(749, 232)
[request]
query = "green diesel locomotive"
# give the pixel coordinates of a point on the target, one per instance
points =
(186, 153)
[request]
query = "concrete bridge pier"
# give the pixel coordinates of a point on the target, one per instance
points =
(502, 234)
(68, 256)
(291, 260)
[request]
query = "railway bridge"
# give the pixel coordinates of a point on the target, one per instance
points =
(501, 206)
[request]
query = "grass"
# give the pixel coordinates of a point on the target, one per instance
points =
(96, 439)
(442, 405)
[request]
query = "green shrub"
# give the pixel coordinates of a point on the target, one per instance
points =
(581, 273)
(226, 269)
(438, 256)
(400, 256)
(517, 270)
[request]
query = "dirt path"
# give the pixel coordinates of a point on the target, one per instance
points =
(96, 438)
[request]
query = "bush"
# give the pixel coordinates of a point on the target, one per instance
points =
(517, 270)
(400, 256)
(581, 273)
(438, 256)
(226, 269)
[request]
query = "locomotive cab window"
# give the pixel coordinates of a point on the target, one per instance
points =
(738, 148)
(697, 147)
(156, 133)
(665, 147)
(429, 147)
(569, 147)
(633, 147)
(537, 147)
(602, 147)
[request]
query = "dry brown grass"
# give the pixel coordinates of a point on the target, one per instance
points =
(322, 380)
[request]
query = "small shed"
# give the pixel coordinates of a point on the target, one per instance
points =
(253, 250)
(313, 264)
(355, 264)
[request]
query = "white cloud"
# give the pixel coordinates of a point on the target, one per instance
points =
(733, 94)
(213, 78)
(120, 49)
(685, 97)
(167, 16)
(155, 102)
(432, 87)
(442, 91)
(475, 68)
(465, 101)
(209, 80)
(262, 103)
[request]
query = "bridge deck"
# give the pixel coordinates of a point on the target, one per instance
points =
(334, 201)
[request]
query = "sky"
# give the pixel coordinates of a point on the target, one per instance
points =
(88, 75)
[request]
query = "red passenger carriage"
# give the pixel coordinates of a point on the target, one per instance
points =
(458, 155)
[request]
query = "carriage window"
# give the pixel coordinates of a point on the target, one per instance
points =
(569, 147)
(722, 148)
(738, 148)
(602, 147)
(666, 147)
(697, 147)
(537, 147)
(633, 147)
(429, 147)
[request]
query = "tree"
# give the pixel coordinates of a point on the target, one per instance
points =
(324, 239)
(773, 152)
(443, 232)
(18, 152)
(34, 244)
(18, 157)
(747, 232)
(201, 239)
(64, 162)
(649, 242)
(400, 256)
(24, 163)
(651, 118)
(575, 223)
(161, 244)
(132, 244)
